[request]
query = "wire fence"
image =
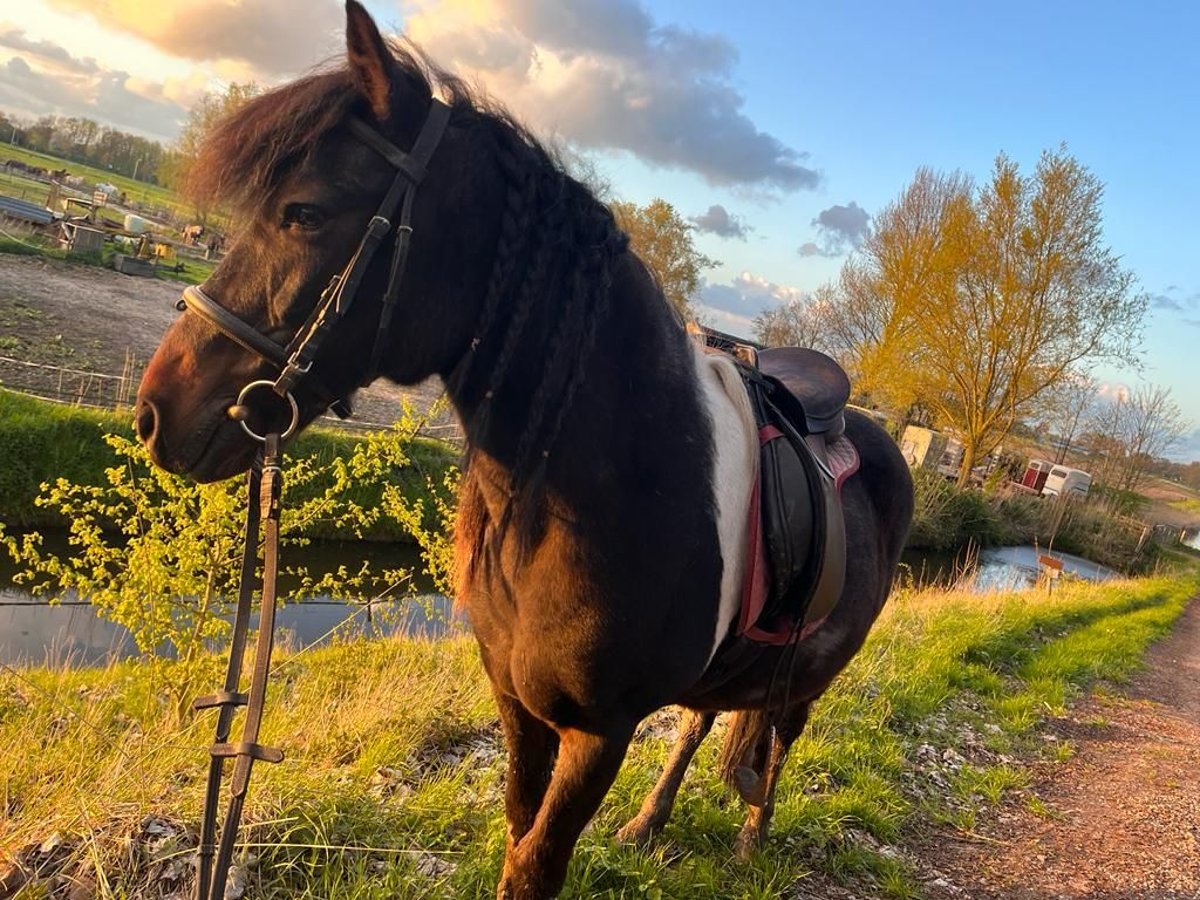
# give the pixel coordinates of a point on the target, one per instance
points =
(77, 387)
(101, 390)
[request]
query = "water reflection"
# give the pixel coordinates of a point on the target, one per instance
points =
(71, 633)
(995, 568)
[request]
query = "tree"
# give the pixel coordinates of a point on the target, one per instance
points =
(663, 240)
(1134, 431)
(170, 572)
(202, 118)
(975, 303)
(813, 321)
(1066, 408)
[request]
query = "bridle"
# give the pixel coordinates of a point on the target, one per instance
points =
(295, 360)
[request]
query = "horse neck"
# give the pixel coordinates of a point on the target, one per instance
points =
(640, 371)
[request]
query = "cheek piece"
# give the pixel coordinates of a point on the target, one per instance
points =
(295, 360)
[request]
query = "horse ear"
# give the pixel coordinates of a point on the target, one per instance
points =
(370, 60)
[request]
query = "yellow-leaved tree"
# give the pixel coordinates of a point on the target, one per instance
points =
(973, 303)
(663, 240)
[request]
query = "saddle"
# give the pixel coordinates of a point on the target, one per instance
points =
(797, 546)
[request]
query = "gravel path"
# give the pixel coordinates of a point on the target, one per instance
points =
(1123, 819)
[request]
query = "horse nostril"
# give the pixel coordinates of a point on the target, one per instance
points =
(146, 420)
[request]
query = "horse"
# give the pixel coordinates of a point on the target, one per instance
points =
(601, 535)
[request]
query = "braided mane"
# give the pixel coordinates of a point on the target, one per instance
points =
(548, 290)
(553, 266)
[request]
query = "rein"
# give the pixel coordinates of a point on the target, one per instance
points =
(265, 479)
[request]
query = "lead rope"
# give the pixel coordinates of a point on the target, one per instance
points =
(265, 485)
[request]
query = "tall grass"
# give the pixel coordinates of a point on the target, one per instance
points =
(392, 786)
(948, 517)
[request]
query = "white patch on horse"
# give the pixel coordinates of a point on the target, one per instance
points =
(735, 466)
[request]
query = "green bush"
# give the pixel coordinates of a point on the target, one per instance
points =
(42, 441)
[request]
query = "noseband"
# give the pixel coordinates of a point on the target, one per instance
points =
(295, 360)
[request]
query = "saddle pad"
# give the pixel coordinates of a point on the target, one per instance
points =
(843, 460)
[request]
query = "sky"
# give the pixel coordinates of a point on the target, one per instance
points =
(777, 128)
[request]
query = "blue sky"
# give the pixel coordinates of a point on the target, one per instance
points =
(776, 112)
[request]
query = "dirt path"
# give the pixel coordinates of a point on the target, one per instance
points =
(84, 317)
(1123, 815)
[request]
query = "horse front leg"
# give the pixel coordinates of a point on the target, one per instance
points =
(657, 806)
(532, 745)
(754, 831)
(535, 867)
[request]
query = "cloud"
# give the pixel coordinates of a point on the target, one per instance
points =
(107, 96)
(1113, 392)
(47, 52)
(1170, 300)
(277, 37)
(1187, 449)
(718, 221)
(748, 295)
(840, 229)
(604, 76)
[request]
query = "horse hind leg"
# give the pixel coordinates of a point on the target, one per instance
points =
(759, 793)
(657, 806)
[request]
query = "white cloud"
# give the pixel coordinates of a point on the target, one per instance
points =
(604, 76)
(275, 37)
(748, 295)
(60, 84)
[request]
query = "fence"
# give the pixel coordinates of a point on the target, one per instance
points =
(99, 390)
(75, 386)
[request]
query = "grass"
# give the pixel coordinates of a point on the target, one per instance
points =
(42, 441)
(392, 786)
(948, 518)
(143, 192)
(1187, 506)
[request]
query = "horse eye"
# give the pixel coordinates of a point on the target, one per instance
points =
(303, 215)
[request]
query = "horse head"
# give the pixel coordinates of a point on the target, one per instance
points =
(305, 168)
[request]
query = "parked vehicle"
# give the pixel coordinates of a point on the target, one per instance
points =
(1065, 481)
(1036, 474)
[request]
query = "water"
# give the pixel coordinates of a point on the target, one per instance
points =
(71, 633)
(996, 568)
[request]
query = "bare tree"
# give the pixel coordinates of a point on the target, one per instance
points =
(1067, 406)
(1151, 425)
(799, 323)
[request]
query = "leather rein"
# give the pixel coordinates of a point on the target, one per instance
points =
(265, 479)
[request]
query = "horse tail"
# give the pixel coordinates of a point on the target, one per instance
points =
(745, 746)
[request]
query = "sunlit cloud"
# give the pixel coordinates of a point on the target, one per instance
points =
(606, 76)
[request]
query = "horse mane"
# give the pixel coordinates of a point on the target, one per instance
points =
(552, 266)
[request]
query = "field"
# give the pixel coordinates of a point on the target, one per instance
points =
(151, 195)
(394, 789)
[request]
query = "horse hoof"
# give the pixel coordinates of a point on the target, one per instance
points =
(743, 848)
(748, 785)
(636, 833)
